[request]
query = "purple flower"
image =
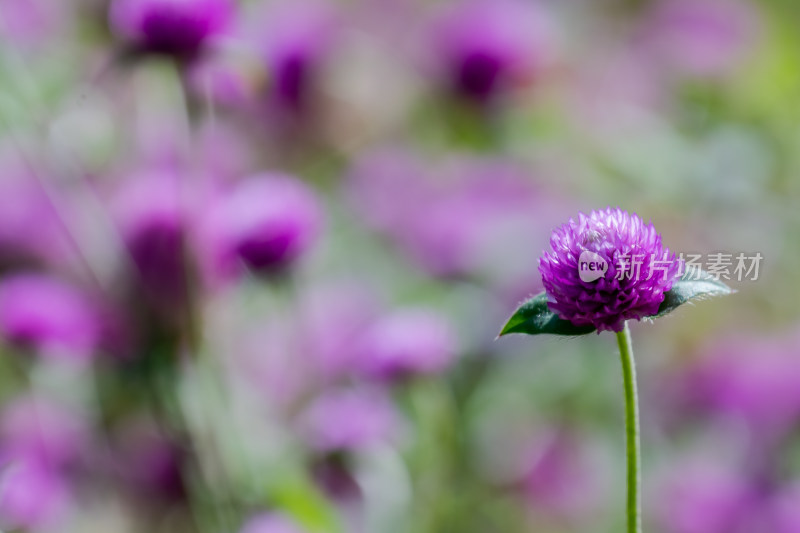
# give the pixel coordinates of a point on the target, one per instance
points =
(267, 360)
(625, 247)
(33, 22)
(559, 478)
(264, 224)
(784, 510)
(550, 466)
(271, 523)
(707, 496)
(701, 37)
(749, 378)
(31, 232)
(175, 27)
(150, 462)
(349, 420)
(487, 44)
(329, 337)
(42, 430)
(405, 343)
(219, 78)
(387, 186)
(480, 215)
(452, 217)
(32, 496)
(151, 220)
(48, 315)
(298, 36)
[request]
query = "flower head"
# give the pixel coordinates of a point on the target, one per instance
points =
(152, 224)
(31, 232)
(48, 315)
(405, 343)
(485, 45)
(265, 224)
(299, 35)
(708, 495)
(349, 420)
(149, 462)
(33, 496)
(752, 379)
(42, 430)
(632, 270)
(175, 27)
(704, 38)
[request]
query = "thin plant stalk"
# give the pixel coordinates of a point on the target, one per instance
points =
(632, 444)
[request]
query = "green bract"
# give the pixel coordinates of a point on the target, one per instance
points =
(534, 317)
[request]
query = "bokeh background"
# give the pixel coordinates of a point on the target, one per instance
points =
(254, 256)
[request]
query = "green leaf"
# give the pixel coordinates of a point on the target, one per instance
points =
(533, 317)
(300, 498)
(694, 285)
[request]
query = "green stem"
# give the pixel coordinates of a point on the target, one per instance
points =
(633, 453)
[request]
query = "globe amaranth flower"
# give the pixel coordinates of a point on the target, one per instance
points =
(153, 226)
(706, 494)
(704, 38)
(634, 270)
(43, 430)
(31, 232)
(33, 496)
(264, 224)
(340, 420)
(407, 342)
(34, 23)
(299, 35)
(149, 462)
(174, 27)
(486, 45)
(329, 337)
(752, 379)
(48, 315)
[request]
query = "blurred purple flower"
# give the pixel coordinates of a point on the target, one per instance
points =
(343, 420)
(152, 221)
(330, 336)
(29, 22)
(459, 229)
(269, 358)
(706, 496)
(223, 152)
(265, 224)
(30, 229)
(176, 27)
(617, 91)
(755, 379)
(219, 79)
(48, 315)
(385, 186)
(334, 474)
(455, 218)
(784, 510)
(488, 45)
(31, 495)
(606, 303)
(271, 523)
(407, 342)
(43, 431)
(701, 37)
(150, 462)
(558, 478)
(295, 37)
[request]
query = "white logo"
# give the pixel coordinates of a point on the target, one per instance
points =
(591, 266)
